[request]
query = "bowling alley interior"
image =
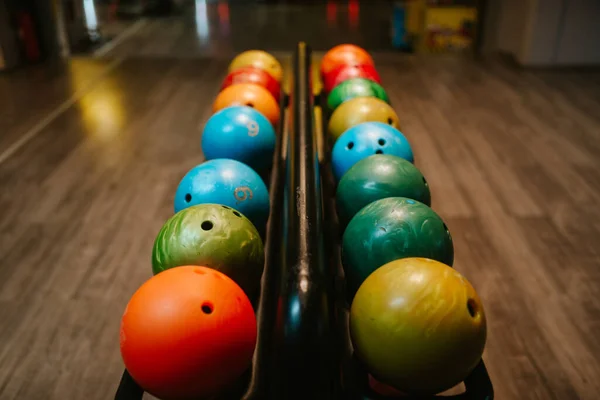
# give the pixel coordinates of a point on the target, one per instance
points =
(299, 199)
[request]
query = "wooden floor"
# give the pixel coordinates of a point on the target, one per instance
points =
(91, 153)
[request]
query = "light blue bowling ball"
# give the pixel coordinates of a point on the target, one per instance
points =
(229, 183)
(240, 133)
(364, 140)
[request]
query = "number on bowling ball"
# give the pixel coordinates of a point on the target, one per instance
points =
(243, 193)
(252, 128)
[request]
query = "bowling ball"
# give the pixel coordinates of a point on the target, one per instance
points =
(378, 177)
(356, 87)
(389, 229)
(256, 76)
(258, 59)
(226, 182)
(214, 236)
(345, 72)
(240, 133)
(344, 54)
(251, 95)
(364, 140)
(418, 326)
(188, 333)
(358, 110)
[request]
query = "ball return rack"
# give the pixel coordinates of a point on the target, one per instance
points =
(304, 350)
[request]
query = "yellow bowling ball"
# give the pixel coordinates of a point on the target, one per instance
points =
(359, 110)
(418, 325)
(258, 59)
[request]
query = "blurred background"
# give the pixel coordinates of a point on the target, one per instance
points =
(101, 107)
(551, 33)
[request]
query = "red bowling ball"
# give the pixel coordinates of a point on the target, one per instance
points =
(345, 72)
(344, 54)
(188, 333)
(256, 76)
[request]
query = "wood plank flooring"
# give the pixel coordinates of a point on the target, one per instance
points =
(513, 159)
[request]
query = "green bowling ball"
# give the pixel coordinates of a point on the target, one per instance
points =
(357, 87)
(390, 229)
(213, 236)
(378, 177)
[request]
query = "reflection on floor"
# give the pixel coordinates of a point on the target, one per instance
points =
(223, 28)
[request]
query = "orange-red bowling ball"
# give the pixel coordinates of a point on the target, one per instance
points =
(256, 76)
(344, 54)
(188, 333)
(345, 72)
(251, 95)
(383, 389)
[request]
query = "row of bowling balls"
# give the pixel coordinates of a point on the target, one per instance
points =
(190, 331)
(417, 324)
(362, 121)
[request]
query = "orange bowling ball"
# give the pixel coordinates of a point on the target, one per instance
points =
(253, 75)
(188, 333)
(251, 95)
(344, 54)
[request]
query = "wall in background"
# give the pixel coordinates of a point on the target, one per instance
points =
(544, 32)
(579, 42)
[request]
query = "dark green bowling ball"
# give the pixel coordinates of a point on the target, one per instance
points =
(378, 177)
(213, 236)
(390, 229)
(357, 87)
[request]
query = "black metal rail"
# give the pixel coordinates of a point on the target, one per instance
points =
(304, 367)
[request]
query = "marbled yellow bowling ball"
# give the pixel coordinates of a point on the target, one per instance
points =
(418, 325)
(258, 59)
(359, 110)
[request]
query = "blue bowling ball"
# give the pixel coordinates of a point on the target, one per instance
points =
(229, 183)
(364, 140)
(240, 133)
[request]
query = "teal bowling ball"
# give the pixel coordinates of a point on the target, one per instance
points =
(240, 133)
(378, 177)
(390, 229)
(364, 140)
(226, 182)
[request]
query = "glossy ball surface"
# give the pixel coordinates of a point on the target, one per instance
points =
(251, 95)
(346, 72)
(418, 325)
(214, 236)
(258, 59)
(344, 54)
(227, 182)
(242, 134)
(359, 110)
(256, 76)
(188, 333)
(378, 177)
(352, 88)
(364, 140)
(390, 229)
